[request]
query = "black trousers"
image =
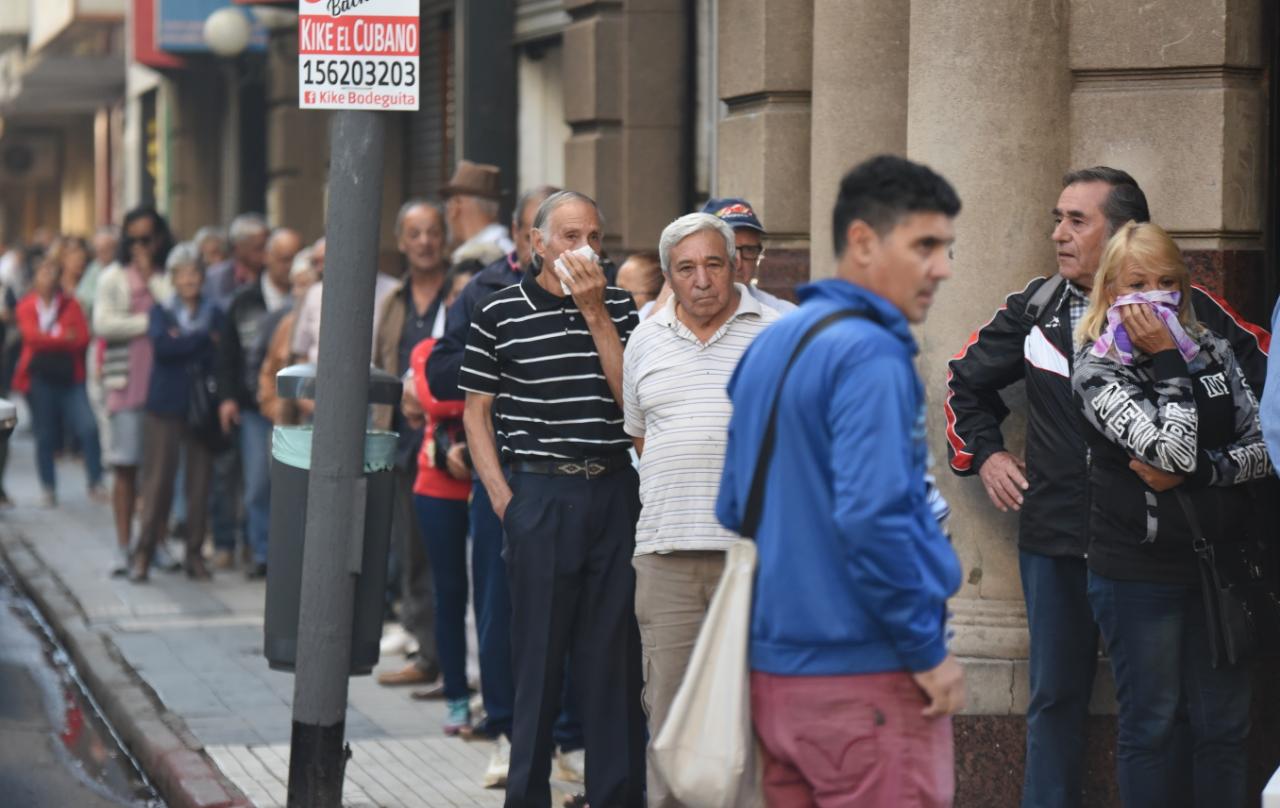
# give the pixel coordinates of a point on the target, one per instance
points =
(569, 543)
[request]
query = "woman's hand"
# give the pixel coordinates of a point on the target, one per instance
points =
(1156, 479)
(1146, 330)
(455, 462)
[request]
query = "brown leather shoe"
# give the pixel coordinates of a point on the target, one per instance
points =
(408, 675)
(224, 560)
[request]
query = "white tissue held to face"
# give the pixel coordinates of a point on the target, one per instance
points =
(586, 252)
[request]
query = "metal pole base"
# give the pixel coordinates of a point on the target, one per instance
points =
(317, 764)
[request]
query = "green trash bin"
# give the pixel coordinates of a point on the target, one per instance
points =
(290, 472)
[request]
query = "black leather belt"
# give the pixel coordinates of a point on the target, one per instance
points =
(588, 467)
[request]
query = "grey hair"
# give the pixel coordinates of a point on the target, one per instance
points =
(246, 226)
(209, 233)
(107, 230)
(686, 226)
(542, 221)
(538, 192)
(410, 204)
(184, 254)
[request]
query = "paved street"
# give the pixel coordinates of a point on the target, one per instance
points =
(197, 646)
(53, 749)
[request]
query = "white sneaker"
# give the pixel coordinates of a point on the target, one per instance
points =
(120, 562)
(394, 641)
(164, 560)
(496, 775)
(572, 766)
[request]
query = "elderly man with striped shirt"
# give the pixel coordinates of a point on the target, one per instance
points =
(543, 375)
(674, 376)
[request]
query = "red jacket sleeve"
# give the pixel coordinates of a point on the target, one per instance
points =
(74, 323)
(432, 406)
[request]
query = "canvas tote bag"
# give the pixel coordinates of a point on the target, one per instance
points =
(706, 751)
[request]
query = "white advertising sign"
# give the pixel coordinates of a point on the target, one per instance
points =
(358, 54)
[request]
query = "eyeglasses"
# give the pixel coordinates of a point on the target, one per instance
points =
(751, 252)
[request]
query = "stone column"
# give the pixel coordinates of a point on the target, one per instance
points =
(766, 63)
(1178, 100)
(988, 107)
(195, 165)
(860, 64)
(626, 81)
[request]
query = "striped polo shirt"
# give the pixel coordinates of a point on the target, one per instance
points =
(673, 390)
(532, 351)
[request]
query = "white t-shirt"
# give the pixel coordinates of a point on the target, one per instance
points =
(674, 396)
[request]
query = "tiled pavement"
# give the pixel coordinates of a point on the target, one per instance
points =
(198, 646)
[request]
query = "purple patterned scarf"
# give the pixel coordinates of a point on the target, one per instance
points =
(1165, 306)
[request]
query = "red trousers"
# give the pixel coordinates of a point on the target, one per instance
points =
(851, 741)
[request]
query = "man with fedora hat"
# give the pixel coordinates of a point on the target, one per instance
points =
(472, 200)
(747, 234)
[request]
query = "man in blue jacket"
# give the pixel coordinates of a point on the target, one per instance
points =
(852, 684)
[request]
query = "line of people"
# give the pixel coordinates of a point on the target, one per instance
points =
(610, 562)
(601, 434)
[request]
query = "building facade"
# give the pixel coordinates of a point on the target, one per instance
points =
(651, 106)
(62, 74)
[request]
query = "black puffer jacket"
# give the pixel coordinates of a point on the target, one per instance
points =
(1055, 511)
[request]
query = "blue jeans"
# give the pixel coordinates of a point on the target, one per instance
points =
(443, 523)
(1064, 660)
(1158, 641)
(52, 405)
(255, 456)
(224, 499)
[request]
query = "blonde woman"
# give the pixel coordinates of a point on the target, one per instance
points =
(1168, 408)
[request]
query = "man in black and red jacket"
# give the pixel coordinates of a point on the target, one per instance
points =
(1030, 338)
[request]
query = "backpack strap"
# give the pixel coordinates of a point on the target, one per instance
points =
(755, 498)
(1040, 300)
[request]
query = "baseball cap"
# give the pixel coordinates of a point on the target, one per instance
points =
(737, 213)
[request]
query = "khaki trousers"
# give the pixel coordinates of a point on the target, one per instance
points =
(159, 469)
(673, 592)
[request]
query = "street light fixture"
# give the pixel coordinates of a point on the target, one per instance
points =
(227, 31)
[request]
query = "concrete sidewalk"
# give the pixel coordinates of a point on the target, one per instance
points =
(197, 647)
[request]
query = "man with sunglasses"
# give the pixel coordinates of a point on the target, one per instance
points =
(747, 234)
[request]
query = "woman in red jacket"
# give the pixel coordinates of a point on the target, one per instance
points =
(50, 373)
(440, 495)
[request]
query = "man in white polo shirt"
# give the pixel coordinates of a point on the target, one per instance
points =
(675, 370)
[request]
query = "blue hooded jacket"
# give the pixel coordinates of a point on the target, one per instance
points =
(854, 571)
